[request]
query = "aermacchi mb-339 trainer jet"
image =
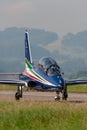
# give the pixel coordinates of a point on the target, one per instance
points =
(46, 75)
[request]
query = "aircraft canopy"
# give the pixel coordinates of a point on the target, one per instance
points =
(49, 66)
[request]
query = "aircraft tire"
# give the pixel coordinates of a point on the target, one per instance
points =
(57, 98)
(17, 96)
(65, 96)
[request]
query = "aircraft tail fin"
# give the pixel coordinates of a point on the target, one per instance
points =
(27, 48)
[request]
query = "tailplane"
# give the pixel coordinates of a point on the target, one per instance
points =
(27, 48)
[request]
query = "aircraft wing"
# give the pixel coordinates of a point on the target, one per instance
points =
(11, 74)
(75, 82)
(14, 82)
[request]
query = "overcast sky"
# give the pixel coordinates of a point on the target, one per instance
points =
(61, 16)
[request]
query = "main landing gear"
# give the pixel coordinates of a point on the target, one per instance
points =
(64, 94)
(18, 94)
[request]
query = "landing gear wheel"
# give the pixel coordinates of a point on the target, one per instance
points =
(65, 94)
(57, 98)
(17, 95)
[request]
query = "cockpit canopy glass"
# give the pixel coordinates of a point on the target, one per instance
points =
(49, 66)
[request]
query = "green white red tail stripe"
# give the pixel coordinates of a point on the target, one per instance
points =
(29, 71)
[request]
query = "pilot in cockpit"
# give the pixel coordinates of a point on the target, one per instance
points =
(49, 66)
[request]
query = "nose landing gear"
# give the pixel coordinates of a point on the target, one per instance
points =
(64, 94)
(57, 97)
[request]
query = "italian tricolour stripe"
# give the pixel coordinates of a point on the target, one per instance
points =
(29, 71)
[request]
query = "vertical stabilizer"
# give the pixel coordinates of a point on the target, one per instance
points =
(27, 48)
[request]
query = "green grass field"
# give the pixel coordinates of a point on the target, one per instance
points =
(42, 115)
(76, 88)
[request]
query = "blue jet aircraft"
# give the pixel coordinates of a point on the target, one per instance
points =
(46, 75)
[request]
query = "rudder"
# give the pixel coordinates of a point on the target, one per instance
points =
(27, 48)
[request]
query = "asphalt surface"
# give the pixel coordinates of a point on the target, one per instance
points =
(43, 96)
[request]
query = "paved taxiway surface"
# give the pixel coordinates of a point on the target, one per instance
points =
(43, 96)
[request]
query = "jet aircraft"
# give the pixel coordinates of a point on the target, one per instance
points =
(46, 75)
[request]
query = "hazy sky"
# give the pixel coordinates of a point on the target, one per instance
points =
(61, 16)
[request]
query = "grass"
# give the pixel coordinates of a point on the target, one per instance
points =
(42, 116)
(75, 88)
(45, 115)
(8, 87)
